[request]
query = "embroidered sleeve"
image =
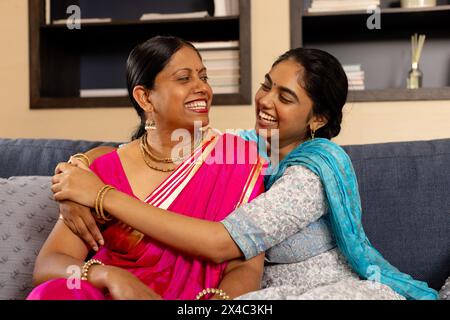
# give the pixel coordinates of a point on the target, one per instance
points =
(294, 201)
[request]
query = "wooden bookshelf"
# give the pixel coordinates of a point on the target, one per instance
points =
(399, 94)
(56, 53)
(385, 51)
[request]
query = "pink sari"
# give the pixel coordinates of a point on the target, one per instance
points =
(198, 188)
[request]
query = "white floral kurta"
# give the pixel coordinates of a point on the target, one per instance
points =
(295, 201)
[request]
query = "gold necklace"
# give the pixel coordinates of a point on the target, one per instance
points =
(146, 153)
(150, 165)
(147, 149)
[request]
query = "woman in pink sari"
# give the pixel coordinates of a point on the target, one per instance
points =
(168, 86)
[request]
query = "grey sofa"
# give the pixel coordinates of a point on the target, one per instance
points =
(405, 191)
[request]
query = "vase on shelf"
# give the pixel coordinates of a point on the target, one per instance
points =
(415, 77)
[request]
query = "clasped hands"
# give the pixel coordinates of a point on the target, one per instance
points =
(74, 181)
(76, 187)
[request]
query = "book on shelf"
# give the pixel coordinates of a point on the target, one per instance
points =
(214, 45)
(355, 76)
(225, 89)
(82, 21)
(223, 8)
(220, 54)
(359, 82)
(99, 93)
(341, 5)
(222, 64)
(172, 16)
(223, 72)
(356, 87)
(224, 81)
(351, 68)
(355, 80)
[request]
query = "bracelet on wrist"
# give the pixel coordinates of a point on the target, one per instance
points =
(214, 291)
(99, 212)
(83, 158)
(87, 265)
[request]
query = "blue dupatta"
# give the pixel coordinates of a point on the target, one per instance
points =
(330, 162)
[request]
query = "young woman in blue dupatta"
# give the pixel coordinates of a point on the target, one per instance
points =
(309, 219)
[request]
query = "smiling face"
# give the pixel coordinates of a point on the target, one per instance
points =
(181, 94)
(282, 103)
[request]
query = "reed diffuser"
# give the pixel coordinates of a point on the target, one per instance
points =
(415, 76)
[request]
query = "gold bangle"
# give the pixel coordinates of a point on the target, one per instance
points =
(222, 295)
(83, 158)
(97, 212)
(87, 265)
(100, 214)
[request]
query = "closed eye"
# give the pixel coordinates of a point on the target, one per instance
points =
(288, 95)
(285, 100)
(265, 87)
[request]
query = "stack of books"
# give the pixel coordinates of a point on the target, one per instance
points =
(342, 5)
(174, 16)
(355, 77)
(221, 58)
(103, 93)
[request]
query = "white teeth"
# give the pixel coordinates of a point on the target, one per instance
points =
(196, 105)
(267, 117)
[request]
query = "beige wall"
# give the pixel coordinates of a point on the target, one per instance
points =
(363, 122)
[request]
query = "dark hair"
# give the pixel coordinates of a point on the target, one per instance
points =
(144, 63)
(325, 82)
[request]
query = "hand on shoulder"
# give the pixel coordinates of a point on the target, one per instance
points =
(98, 152)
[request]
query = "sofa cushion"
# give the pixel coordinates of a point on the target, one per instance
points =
(39, 157)
(27, 215)
(404, 189)
(444, 293)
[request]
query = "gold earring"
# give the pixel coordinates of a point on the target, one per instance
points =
(313, 134)
(150, 125)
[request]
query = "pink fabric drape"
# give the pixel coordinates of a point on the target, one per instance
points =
(213, 192)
